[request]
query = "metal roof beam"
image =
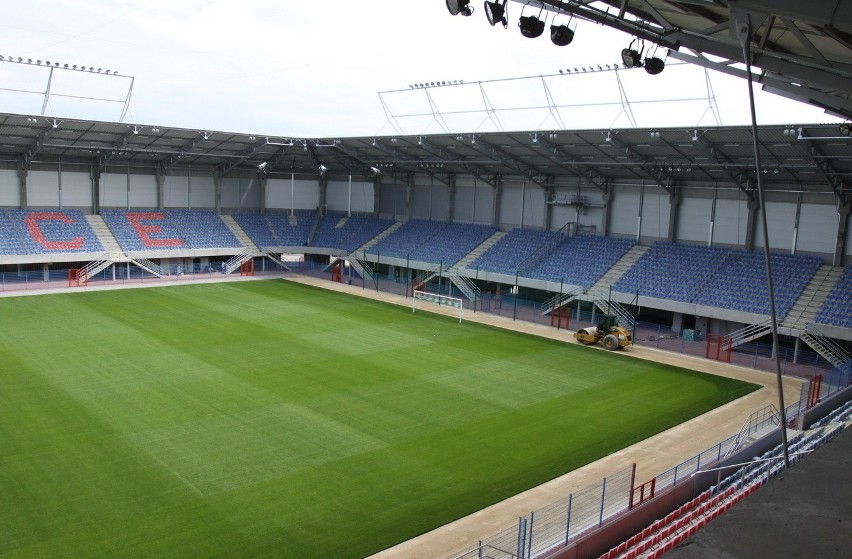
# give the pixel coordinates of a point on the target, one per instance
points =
(591, 174)
(509, 160)
(837, 183)
(660, 176)
(740, 178)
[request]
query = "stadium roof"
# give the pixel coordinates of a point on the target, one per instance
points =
(802, 49)
(810, 157)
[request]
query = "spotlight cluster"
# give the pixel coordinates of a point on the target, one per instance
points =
(48, 63)
(424, 85)
(561, 35)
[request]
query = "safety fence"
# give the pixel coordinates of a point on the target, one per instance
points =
(564, 521)
(558, 523)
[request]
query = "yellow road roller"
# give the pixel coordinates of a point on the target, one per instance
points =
(607, 332)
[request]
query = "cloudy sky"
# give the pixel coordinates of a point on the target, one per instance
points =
(315, 69)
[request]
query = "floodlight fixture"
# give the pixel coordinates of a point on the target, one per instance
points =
(654, 65)
(846, 129)
(561, 35)
(531, 26)
(630, 57)
(496, 13)
(459, 7)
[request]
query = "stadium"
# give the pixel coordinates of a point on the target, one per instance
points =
(374, 345)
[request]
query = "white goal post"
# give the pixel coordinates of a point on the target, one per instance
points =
(437, 299)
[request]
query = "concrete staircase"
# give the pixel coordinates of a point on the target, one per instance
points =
(812, 298)
(619, 268)
(479, 250)
(241, 235)
(372, 242)
(107, 239)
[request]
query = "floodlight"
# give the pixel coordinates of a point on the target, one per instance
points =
(630, 58)
(561, 35)
(457, 7)
(846, 129)
(531, 26)
(496, 13)
(654, 65)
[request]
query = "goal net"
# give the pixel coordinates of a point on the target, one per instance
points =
(434, 298)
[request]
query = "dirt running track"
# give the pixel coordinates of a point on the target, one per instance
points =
(652, 456)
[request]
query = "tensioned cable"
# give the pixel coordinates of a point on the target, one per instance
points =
(744, 33)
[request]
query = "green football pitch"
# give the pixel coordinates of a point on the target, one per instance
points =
(270, 419)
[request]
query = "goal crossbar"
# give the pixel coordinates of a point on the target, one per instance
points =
(441, 300)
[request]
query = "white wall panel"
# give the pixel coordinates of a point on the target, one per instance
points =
(484, 204)
(76, 190)
(534, 206)
(249, 196)
(781, 217)
(624, 211)
(693, 223)
(729, 227)
(339, 196)
(440, 208)
(176, 192)
(655, 214)
(464, 209)
(817, 228)
(363, 196)
(297, 194)
(10, 193)
(230, 193)
(510, 205)
(143, 191)
(202, 192)
(114, 190)
(422, 201)
(43, 189)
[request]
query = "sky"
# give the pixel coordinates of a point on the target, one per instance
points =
(316, 69)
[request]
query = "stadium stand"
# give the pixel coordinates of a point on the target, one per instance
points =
(672, 271)
(291, 230)
(836, 310)
(256, 227)
(580, 260)
(726, 278)
(337, 231)
(451, 243)
(139, 230)
(202, 229)
(740, 284)
(509, 253)
(46, 231)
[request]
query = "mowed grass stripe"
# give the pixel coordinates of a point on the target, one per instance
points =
(272, 419)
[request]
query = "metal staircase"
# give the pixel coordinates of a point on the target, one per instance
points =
(561, 299)
(92, 269)
(756, 423)
(750, 332)
(148, 266)
(825, 346)
(236, 260)
(464, 284)
(608, 306)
